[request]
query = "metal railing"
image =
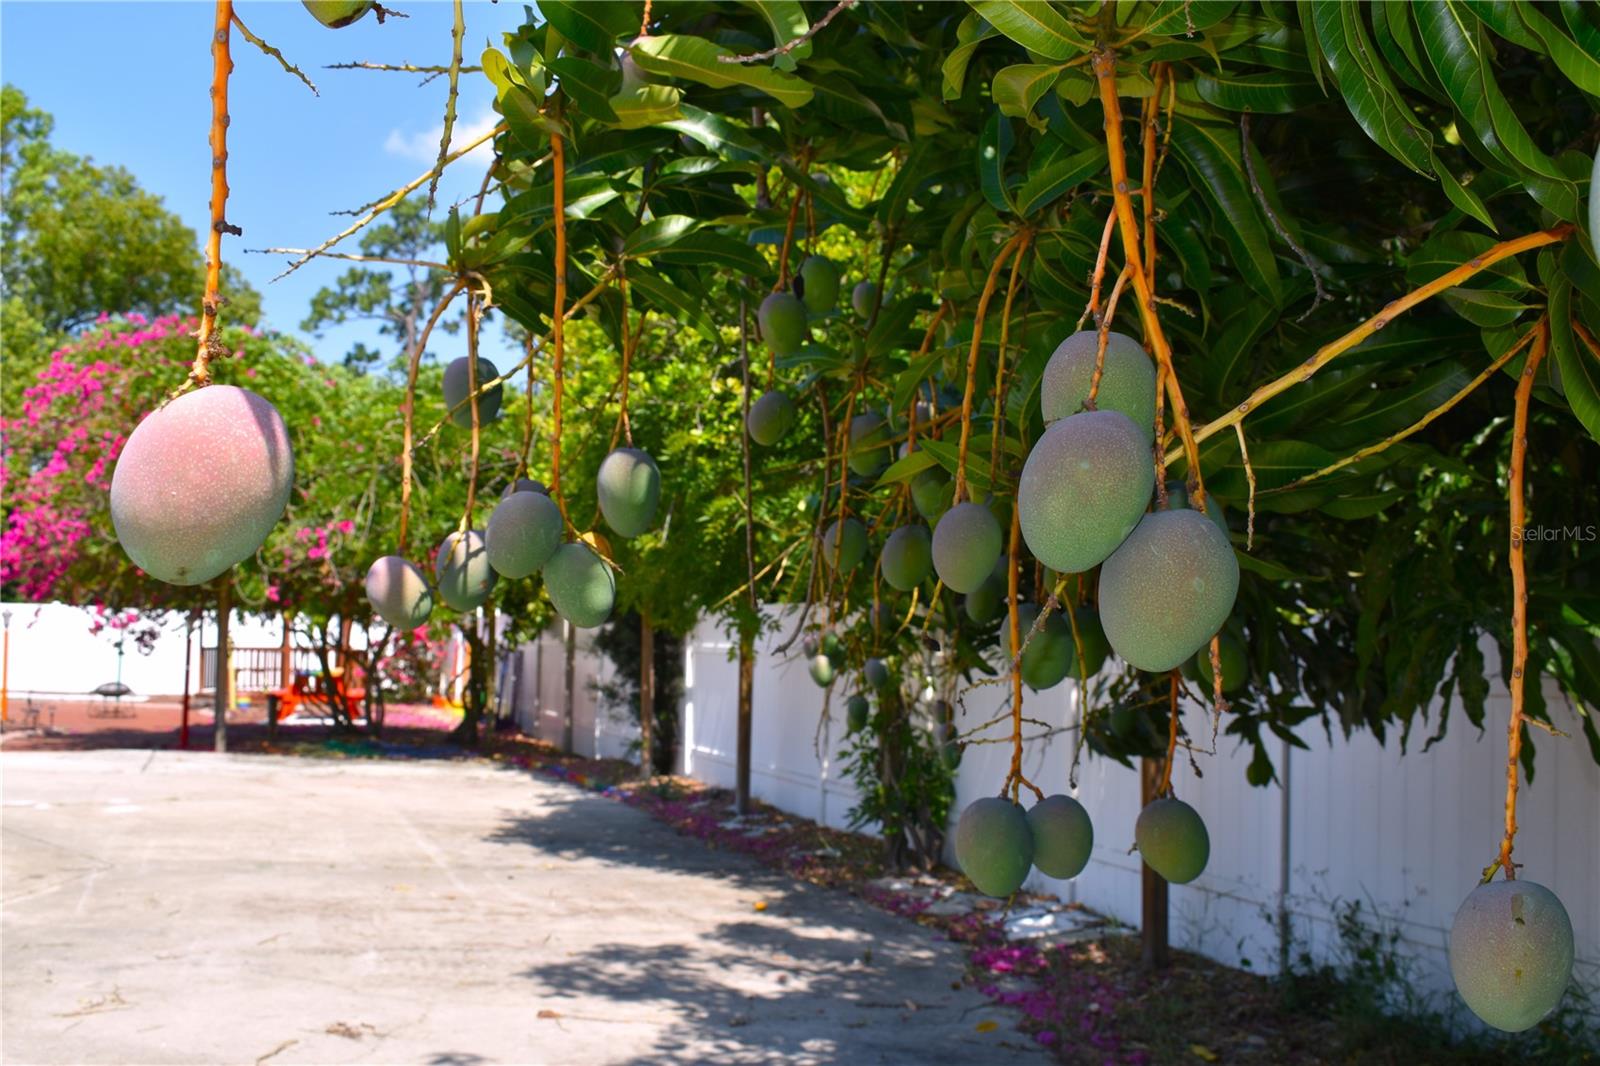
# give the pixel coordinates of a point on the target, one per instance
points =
(255, 669)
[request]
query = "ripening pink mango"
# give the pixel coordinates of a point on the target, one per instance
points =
(200, 484)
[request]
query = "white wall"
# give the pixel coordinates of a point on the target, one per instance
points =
(788, 730)
(54, 653)
(1408, 835)
(538, 696)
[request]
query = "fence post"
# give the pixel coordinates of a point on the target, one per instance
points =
(566, 716)
(1283, 864)
(647, 695)
(747, 670)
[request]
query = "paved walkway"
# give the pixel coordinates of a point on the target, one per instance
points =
(165, 907)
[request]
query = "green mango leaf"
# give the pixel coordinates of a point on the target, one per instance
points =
(1273, 92)
(1265, 567)
(1211, 151)
(1017, 88)
(1398, 406)
(788, 21)
(1174, 17)
(657, 234)
(948, 456)
(994, 145)
(715, 132)
(816, 358)
(498, 69)
(915, 375)
(592, 27)
(1276, 463)
(1581, 67)
(649, 105)
(1036, 26)
(1368, 90)
(1454, 42)
(1585, 32)
(907, 468)
(697, 59)
(1241, 327)
(889, 331)
(527, 123)
(673, 302)
(891, 209)
(1310, 401)
(1047, 185)
(702, 248)
(1492, 298)
(590, 85)
(1579, 367)
(1462, 196)
(971, 32)
(1364, 505)
(1396, 35)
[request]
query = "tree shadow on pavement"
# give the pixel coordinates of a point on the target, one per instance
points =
(817, 976)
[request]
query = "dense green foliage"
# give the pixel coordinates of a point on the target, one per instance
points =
(919, 138)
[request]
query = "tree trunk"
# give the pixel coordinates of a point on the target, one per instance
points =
(538, 683)
(374, 684)
(345, 625)
(747, 677)
(1153, 887)
(566, 710)
(224, 677)
(285, 674)
(647, 695)
(491, 668)
(473, 702)
(346, 675)
(188, 673)
(890, 751)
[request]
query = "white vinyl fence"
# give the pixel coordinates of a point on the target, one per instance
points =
(532, 686)
(1406, 836)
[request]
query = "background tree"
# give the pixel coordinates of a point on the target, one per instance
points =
(78, 240)
(396, 296)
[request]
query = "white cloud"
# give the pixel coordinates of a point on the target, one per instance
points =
(423, 146)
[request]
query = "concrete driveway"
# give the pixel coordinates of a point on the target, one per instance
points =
(161, 907)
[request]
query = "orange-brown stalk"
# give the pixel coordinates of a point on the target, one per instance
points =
(221, 68)
(1105, 70)
(410, 406)
(558, 162)
(1519, 594)
(972, 359)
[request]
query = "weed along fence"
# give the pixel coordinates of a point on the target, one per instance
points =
(1349, 827)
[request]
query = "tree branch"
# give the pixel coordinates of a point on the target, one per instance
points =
(784, 49)
(1333, 349)
(274, 53)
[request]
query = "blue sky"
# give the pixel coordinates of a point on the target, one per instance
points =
(134, 93)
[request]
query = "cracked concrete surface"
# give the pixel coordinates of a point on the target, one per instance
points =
(190, 908)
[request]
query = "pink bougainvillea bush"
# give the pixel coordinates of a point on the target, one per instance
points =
(59, 449)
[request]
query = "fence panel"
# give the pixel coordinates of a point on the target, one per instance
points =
(1406, 835)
